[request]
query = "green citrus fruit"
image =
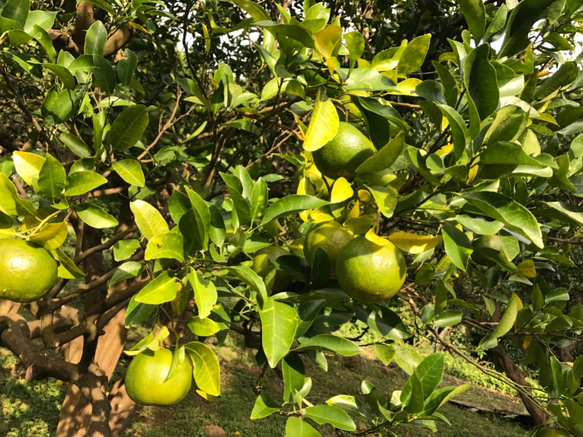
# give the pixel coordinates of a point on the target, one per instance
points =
(370, 272)
(147, 381)
(27, 272)
(343, 153)
(330, 236)
(487, 247)
(263, 263)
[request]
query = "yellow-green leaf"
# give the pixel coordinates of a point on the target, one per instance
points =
(323, 124)
(28, 165)
(341, 191)
(414, 243)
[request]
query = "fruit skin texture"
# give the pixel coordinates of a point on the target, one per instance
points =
(344, 153)
(330, 236)
(261, 266)
(146, 382)
(369, 272)
(27, 272)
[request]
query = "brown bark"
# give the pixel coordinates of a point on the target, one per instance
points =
(76, 410)
(502, 359)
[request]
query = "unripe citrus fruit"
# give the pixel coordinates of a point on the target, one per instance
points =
(147, 381)
(486, 248)
(344, 153)
(370, 272)
(263, 262)
(330, 236)
(27, 272)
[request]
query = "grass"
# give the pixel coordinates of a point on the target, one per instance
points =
(32, 409)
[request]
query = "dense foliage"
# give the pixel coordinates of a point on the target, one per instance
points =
(155, 148)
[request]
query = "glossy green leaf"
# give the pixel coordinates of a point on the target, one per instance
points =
(388, 324)
(430, 372)
(16, 10)
(52, 177)
(203, 216)
(414, 55)
(160, 290)
(448, 318)
(128, 127)
(127, 270)
(264, 407)
(568, 210)
(259, 197)
(137, 313)
(207, 371)
(28, 165)
(355, 44)
(95, 216)
(127, 66)
(81, 182)
(457, 246)
(385, 157)
(148, 219)
(442, 395)
(475, 14)
(130, 170)
(241, 203)
(205, 293)
(296, 427)
(67, 268)
(459, 132)
(203, 327)
(291, 204)
(75, 145)
(250, 278)
(279, 322)
(507, 153)
(509, 212)
(51, 236)
(95, 39)
(386, 199)
(293, 371)
(63, 74)
(292, 31)
(481, 83)
(124, 249)
(323, 124)
(253, 9)
(506, 322)
(331, 343)
(565, 75)
(168, 245)
(316, 18)
(328, 414)
(520, 23)
(412, 395)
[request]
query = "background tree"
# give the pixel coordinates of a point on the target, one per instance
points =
(155, 147)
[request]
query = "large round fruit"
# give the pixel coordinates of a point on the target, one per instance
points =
(263, 262)
(330, 236)
(343, 153)
(27, 272)
(146, 378)
(370, 272)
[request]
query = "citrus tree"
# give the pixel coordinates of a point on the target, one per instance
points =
(278, 172)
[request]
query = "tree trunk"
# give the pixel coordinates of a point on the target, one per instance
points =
(76, 410)
(502, 359)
